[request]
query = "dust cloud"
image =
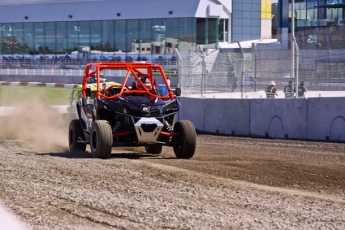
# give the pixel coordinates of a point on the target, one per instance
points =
(41, 127)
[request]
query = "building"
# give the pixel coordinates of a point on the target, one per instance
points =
(309, 14)
(135, 27)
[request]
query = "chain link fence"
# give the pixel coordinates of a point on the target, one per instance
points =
(318, 60)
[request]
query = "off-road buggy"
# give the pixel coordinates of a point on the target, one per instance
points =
(139, 112)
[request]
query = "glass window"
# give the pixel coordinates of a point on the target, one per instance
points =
(133, 44)
(109, 36)
(83, 31)
(96, 35)
(187, 33)
(39, 42)
(201, 31)
(145, 39)
(50, 38)
(61, 37)
(28, 38)
(213, 25)
(172, 34)
(17, 38)
(223, 30)
(158, 33)
(120, 35)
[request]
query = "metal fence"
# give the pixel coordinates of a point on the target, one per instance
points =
(318, 60)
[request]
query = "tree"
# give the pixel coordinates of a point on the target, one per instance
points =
(10, 45)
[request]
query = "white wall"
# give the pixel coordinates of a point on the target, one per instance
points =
(266, 29)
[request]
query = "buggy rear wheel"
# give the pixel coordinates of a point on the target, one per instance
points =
(74, 133)
(154, 149)
(101, 141)
(185, 140)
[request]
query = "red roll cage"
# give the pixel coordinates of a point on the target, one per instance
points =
(132, 68)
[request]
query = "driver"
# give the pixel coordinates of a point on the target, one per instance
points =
(93, 79)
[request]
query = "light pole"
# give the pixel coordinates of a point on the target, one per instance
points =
(77, 30)
(292, 74)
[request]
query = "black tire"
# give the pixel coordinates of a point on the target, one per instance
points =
(74, 133)
(154, 149)
(185, 141)
(101, 141)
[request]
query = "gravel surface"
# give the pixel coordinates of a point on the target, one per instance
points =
(230, 183)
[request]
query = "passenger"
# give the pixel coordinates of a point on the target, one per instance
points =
(271, 90)
(168, 80)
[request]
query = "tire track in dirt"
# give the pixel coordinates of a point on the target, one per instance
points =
(133, 189)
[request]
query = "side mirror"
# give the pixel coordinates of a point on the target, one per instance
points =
(88, 92)
(178, 91)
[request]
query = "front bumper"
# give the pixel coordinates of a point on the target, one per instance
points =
(148, 130)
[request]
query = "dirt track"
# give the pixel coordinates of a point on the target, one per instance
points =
(231, 183)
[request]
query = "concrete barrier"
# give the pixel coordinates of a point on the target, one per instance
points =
(192, 109)
(321, 119)
(278, 118)
(226, 116)
(326, 119)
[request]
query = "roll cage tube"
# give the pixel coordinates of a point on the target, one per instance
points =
(132, 68)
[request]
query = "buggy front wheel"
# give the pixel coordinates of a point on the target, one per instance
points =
(185, 140)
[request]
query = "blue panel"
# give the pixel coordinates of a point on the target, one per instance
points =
(237, 22)
(247, 22)
(246, 14)
(256, 7)
(256, 15)
(246, 37)
(236, 6)
(247, 30)
(255, 22)
(247, 7)
(256, 30)
(237, 29)
(237, 14)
